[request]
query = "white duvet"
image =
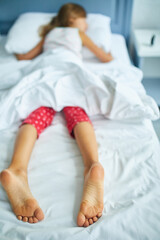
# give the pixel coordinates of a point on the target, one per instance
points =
(58, 78)
(127, 145)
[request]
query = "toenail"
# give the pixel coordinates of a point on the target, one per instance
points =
(99, 214)
(19, 218)
(35, 220)
(90, 221)
(25, 219)
(30, 220)
(95, 219)
(86, 224)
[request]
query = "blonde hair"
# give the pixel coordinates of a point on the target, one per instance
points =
(63, 17)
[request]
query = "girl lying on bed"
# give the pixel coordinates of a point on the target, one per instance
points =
(14, 179)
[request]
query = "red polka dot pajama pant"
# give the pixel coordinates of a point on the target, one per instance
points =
(42, 117)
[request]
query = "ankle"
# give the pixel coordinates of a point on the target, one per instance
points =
(89, 166)
(18, 171)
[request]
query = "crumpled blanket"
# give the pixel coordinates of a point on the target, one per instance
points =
(58, 78)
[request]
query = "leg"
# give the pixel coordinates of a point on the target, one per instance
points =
(81, 128)
(14, 178)
(24, 144)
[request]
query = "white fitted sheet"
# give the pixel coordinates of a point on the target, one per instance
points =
(118, 49)
(129, 153)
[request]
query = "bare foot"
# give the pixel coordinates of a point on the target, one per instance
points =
(23, 203)
(92, 201)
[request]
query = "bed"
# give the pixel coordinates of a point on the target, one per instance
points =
(128, 150)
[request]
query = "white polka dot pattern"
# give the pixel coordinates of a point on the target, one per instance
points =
(75, 115)
(42, 117)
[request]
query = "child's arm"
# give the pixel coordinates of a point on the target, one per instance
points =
(99, 52)
(32, 53)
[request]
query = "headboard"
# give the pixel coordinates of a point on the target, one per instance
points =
(120, 11)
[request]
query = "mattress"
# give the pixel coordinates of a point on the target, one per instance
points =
(129, 152)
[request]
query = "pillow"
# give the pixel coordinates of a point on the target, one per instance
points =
(99, 31)
(23, 35)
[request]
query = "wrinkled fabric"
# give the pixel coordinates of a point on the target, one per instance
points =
(129, 153)
(127, 148)
(59, 79)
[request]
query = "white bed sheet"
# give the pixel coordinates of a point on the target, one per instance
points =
(118, 49)
(129, 152)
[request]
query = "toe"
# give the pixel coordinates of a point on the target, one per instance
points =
(90, 221)
(99, 214)
(19, 217)
(39, 214)
(80, 219)
(35, 220)
(30, 220)
(95, 219)
(25, 219)
(86, 224)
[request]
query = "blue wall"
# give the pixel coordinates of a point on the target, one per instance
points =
(120, 11)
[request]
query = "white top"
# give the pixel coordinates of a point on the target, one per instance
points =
(142, 42)
(64, 37)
